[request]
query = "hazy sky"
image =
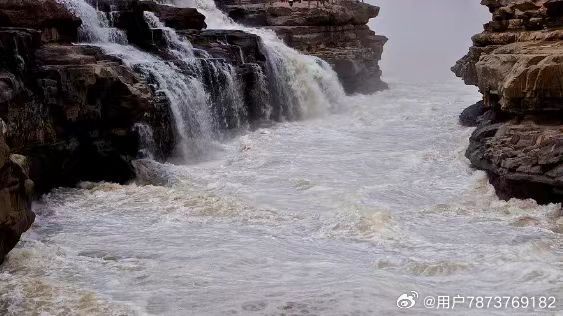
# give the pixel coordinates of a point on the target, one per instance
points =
(426, 37)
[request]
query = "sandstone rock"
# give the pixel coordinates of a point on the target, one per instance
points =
(278, 14)
(47, 16)
(517, 63)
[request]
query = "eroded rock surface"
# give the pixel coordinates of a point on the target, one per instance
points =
(337, 33)
(517, 63)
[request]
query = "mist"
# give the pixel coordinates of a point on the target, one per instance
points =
(426, 37)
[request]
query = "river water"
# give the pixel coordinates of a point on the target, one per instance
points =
(336, 215)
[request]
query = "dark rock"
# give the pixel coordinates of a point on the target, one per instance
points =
(16, 191)
(520, 155)
(237, 47)
(469, 116)
(177, 18)
(47, 16)
(71, 110)
(131, 18)
(91, 105)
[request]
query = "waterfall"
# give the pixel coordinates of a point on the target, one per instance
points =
(219, 78)
(205, 94)
(188, 100)
(96, 26)
(302, 85)
(181, 49)
(146, 140)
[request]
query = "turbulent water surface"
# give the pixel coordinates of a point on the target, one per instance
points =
(335, 216)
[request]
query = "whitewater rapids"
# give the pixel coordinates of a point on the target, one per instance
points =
(333, 216)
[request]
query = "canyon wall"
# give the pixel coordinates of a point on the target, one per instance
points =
(336, 32)
(517, 63)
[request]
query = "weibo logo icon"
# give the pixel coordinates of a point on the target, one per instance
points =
(407, 300)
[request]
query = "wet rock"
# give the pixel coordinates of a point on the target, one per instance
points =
(86, 132)
(174, 17)
(336, 33)
(523, 158)
(470, 116)
(70, 109)
(16, 191)
(517, 63)
(237, 47)
(130, 17)
(73, 110)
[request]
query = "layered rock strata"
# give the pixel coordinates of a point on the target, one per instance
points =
(335, 31)
(517, 63)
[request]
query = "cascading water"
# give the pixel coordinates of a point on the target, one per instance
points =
(205, 93)
(146, 140)
(219, 79)
(188, 100)
(301, 85)
(96, 26)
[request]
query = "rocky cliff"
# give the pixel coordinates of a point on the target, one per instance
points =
(335, 31)
(517, 63)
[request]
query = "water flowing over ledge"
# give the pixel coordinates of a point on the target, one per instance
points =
(121, 80)
(300, 86)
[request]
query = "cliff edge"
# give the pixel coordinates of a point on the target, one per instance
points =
(517, 63)
(335, 31)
